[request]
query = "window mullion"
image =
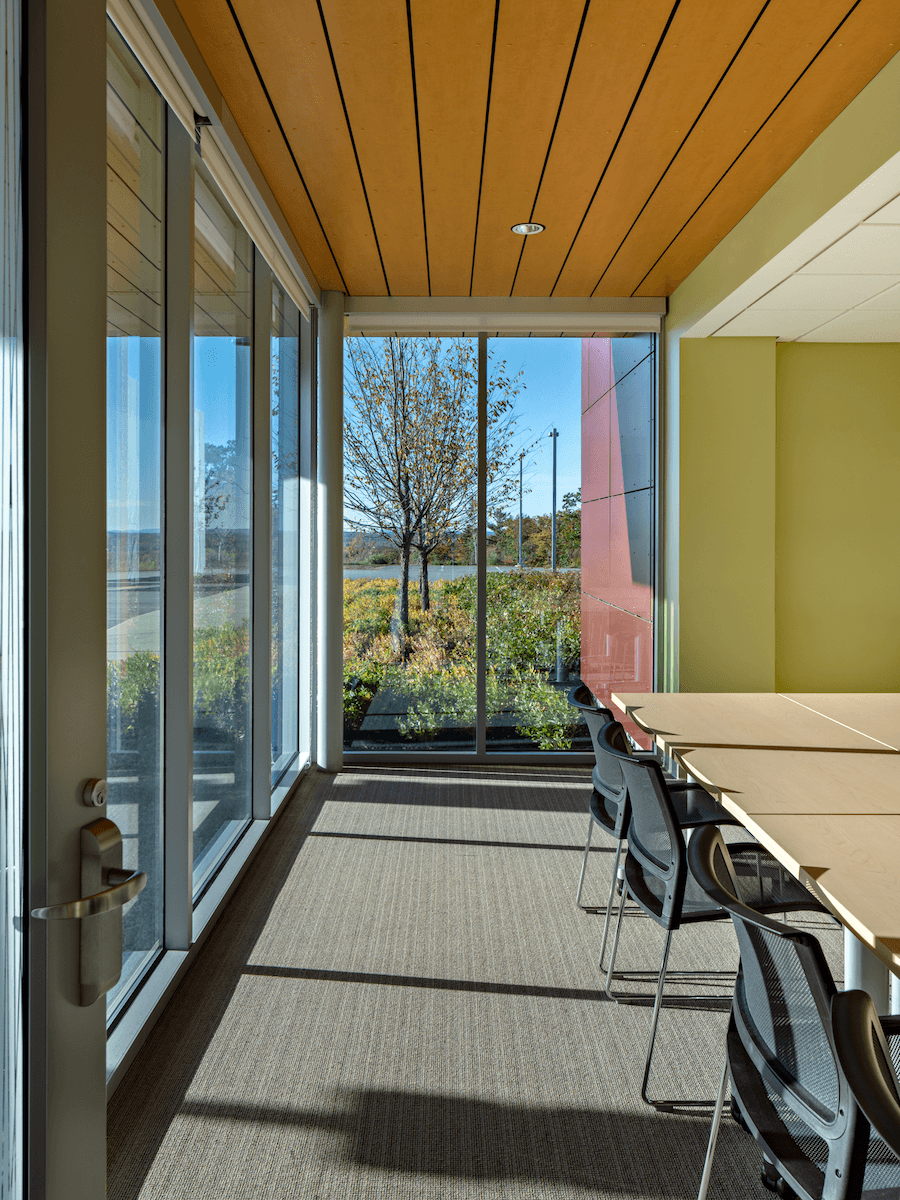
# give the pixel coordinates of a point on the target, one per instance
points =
(261, 607)
(177, 667)
(481, 557)
(308, 543)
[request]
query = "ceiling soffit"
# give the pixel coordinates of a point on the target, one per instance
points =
(402, 138)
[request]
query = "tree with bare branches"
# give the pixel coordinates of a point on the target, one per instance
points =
(411, 445)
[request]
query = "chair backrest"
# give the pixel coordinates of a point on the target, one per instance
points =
(654, 835)
(582, 697)
(867, 1063)
(607, 774)
(782, 1057)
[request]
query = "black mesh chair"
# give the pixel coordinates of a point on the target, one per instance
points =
(659, 881)
(787, 1086)
(868, 1050)
(606, 791)
(609, 808)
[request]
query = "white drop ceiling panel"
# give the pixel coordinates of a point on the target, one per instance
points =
(824, 292)
(839, 281)
(889, 215)
(858, 326)
(888, 301)
(777, 323)
(866, 250)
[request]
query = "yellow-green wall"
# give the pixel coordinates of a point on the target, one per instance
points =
(837, 560)
(860, 141)
(726, 632)
(789, 500)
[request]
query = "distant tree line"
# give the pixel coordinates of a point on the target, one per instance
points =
(502, 541)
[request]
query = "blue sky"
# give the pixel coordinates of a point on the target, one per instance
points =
(549, 397)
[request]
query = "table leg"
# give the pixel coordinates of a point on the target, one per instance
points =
(863, 969)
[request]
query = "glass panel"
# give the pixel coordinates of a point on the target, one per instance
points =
(221, 409)
(410, 472)
(12, 651)
(285, 531)
(134, 579)
(534, 548)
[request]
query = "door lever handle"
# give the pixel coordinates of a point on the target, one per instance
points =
(125, 885)
(105, 887)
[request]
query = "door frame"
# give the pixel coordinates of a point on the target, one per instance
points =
(66, 396)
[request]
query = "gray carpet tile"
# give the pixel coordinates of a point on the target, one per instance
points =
(402, 1000)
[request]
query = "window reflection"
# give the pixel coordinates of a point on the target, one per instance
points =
(135, 124)
(221, 406)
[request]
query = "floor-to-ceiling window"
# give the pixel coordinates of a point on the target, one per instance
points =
(223, 494)
(206, 399)
(410, 543)
(533, 617)
(12, 587)
(464, 563)
(135, 557)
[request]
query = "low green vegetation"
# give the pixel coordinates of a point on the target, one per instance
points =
(221, 678)
(532, 616)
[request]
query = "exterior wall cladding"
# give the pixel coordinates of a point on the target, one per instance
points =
(618, 379)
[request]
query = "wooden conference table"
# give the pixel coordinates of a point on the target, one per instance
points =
(816, 778)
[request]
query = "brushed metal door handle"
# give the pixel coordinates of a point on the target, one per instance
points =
(105, 888)
(125, 885)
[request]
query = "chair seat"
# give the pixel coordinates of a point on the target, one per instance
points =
(763, 884)
(694, 806)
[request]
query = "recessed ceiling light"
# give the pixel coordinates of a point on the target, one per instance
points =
(527, 227)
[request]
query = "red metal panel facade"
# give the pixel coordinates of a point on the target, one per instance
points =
(617, 514)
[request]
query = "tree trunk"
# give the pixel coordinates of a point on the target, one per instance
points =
(424, 589)
(400, 617)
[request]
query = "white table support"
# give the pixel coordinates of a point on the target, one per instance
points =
(863, 969)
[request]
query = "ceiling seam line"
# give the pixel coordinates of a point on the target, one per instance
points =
(362, 182)
(824, 47)
(822, 324)
(284, 136)
(487, 115)
(559, 109)
(415, 91)
(653, 57)
(681, 146)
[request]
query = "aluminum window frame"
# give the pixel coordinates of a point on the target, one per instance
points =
(371, 317)
(188, 920)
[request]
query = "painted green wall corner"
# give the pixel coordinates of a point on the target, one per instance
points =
(727, 515)
(838, 505)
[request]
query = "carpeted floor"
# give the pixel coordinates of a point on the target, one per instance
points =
(402, 1001)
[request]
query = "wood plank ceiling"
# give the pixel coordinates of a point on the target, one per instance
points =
(403, 138)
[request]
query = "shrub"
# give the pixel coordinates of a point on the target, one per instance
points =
(528, 611)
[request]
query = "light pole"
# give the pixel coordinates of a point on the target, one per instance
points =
(561, 672)
(521, 457)
(554, 434)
